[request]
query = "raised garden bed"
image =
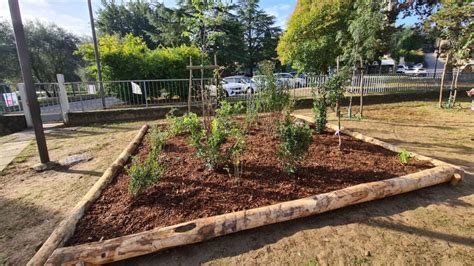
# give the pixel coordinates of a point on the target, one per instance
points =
(191, 204)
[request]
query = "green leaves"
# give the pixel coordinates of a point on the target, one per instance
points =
(455, 23)
(404, 157)
(315, 28)
(329, 94)
(294, 144)
(143, 175)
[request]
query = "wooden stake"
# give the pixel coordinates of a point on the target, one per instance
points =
(190, 83)
(440, 103)
(361, 88)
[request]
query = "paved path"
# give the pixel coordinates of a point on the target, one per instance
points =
(13, 144)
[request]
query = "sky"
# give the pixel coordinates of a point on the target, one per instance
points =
(73, 14)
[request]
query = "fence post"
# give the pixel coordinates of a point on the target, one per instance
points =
(24, 103)
(146, 96)
(63, 100)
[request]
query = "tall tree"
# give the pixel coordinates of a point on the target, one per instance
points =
(260, 34)
(314, 30)
(51, 52)
(10, 70)
(127, 17)
(168, 26)
(455, 23)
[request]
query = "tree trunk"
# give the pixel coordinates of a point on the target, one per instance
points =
(361, 88)
(349, 109)
(338, 114)
(440, 103)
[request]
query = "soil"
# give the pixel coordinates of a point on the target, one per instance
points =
(188, 190)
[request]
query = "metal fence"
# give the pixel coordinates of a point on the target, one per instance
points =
(87, 96)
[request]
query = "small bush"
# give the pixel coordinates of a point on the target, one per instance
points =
(404, 157)
(183, 124)
(157, 138)
(294, 144)
(320, 107)
(142, 175)
(223, 129)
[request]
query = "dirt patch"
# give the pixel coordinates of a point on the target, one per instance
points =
(32, 204)
(189, 191)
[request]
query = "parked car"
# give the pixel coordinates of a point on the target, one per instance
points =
(246, 82)
(290, 80)
(236, 79)
(230, 88)
(412, 70)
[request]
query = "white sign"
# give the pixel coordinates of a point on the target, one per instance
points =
(11, 99)
(91, 89)
(136, 88)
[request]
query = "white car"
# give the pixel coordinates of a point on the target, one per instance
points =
(412, 70)
(246, 83)
(230, 88)
(290, 80)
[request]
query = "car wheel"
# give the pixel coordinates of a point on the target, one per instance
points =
(226, 93)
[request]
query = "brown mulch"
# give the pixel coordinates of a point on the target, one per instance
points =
(189, 191)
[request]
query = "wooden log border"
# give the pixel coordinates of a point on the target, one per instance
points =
(210, 227)
(66, 228)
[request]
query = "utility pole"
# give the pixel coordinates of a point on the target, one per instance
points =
(25, 65)
(96, 53)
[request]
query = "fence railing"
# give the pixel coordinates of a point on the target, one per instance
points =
(87, 96)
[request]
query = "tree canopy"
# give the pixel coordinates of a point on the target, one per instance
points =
(454, 22)
(241, 34)
(313, 30)
(51, 51)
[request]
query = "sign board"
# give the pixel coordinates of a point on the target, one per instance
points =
(91, 89)
(11, 99)
(136, 88)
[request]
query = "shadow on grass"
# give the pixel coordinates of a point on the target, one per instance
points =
(245, 241)
(22, 230)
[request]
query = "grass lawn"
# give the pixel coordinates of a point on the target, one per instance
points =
(429, 226)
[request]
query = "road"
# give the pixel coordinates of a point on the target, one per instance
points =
(53, 112)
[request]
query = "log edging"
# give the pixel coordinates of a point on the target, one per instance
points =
(67, 226)
(198, 230)
(210, 227)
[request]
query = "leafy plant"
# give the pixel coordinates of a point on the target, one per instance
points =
(329, 95)
(320, 107)
(183, 124)
(223, 129)
(157, 138)
(142, 175)
(404, 157)
(294, 144)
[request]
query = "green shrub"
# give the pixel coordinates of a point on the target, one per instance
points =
(294, 144)
(142, 175)
(320, 107)
(157, 138)
(404, 157)
(183, 124)
(223, 129)
(129, 58)
(275, 97)
(329, 95)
